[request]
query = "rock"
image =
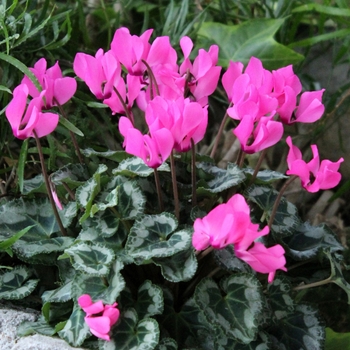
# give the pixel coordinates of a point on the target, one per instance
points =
(11, 318)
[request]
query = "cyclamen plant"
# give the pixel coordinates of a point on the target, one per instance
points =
(190, 271)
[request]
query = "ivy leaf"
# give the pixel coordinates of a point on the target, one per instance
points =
(308, 240)
(130, 334)
(250, 38)
(237, 312)
(92, 259)
(227, 259)
(58, 295)
(86, 193)
(153, 236)
(280, 299)
(166, 344)
(15, 284)
(286, 220)
(179, 267)
(223, 179)
(136, 167)
(76, 329)
(19, 214)
(302, 329)
(265, 176)
(116, 156)
(149, 300)
(108, 291)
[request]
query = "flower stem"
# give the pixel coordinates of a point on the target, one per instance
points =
(258, 165)
(128, 115)
(47, 184)
(159, 190)
(74, 140)
(193, 174)
(173, 178)
(218, 136)
(153, 81)
(278, 199)
(314, 284)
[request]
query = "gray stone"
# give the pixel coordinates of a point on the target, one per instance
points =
(10, 319)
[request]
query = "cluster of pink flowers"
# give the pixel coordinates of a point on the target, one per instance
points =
(174, 98)
(230, 223)
(27, 119)
(100, 318)
(263, 101)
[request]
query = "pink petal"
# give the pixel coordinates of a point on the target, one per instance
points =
(100, 324)
(64, 89)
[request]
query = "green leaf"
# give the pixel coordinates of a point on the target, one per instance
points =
(153, 236)
(94, 259)
(15, 284)
(116, 156)
(26, 249)
(179, 267)
(280, 299)
(131, 201)
(166, 344)
(336, 341)
(308, 240)
(69, 126)
(286, 220)
(40, 326)
(250, 38)
(227, 259)
(302, 329)
(71, 174)
(328, 10)
(76, 330)
(265, 176)
(136, 166)
(13, 239)
(237, 312)
(22, 67)
(107, 290)
(86, 193)
(34, 185)
(21, 164)
(130, 334)
(223, 179)
(59, 295)
(19, 214)
(149, 300)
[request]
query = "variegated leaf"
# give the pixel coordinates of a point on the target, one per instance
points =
(136, 167)
(237, 312)
(130, 334)
(15, 284)
(153, 236)
(92, 259)
(76, 330)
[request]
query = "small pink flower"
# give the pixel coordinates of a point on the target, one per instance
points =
(58, 88)
(25, 119)
(100, 73)
(255, 137)
(230, 223)
(310, 107)
(313, 175)
(100, 318)
(153, 149)
(185, 120)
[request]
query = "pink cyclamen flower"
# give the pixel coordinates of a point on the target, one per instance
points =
(100, 318)
(100, 73)
(185, 120)
(59, 89)
(27, 120)
(256, 136)
(153, 149)
(314, 175)
(203, 75)
(230, 223)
